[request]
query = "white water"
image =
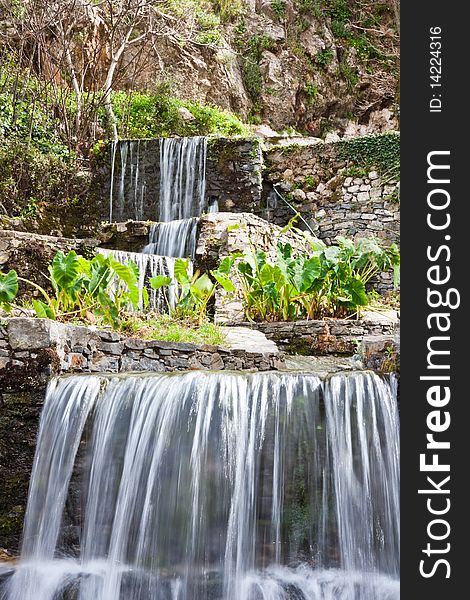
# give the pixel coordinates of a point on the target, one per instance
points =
(182, 178)
(175, 238)
(182, 196)
(128, 200)
(206, 486)
(149, 265)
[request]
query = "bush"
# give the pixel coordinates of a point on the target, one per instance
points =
(142, 115)
(30, 178)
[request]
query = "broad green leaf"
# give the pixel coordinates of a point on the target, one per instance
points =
(43, 311)
(8, 286)
(84, 265)
(181, 271)
(159, 281)
(357, 290)
(124, 272)
(305, 274)
(225, 266)
(65, 269)
(145, 297)
(225, 282)
(134, 268)
(266, 273)
(245, 269)
(285, 250)
(203, 286)
(331, 254)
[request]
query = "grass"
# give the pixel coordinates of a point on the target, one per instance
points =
(168, 329)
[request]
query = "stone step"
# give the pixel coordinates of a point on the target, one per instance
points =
(250, 340)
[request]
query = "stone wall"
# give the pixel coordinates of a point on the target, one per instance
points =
(234, 174)
(233, 177)
(339, 336)
(61, 348)
(332, 194)
(30, 254)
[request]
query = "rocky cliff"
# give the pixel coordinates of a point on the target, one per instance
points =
(313, 65)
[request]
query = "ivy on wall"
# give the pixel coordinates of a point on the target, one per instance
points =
(381, 152)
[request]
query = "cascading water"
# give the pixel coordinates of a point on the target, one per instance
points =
(175, 238)
(182, 177)
(127, 196)
(149, 265)
(208, 486)
(182, 195)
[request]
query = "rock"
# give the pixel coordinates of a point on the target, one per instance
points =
(185, 114)
(332, 137)
(312, 42)
(298, 195)
(265, 131)
(32, 334)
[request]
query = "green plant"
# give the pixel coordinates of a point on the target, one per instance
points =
(312, 7)
(142, 115)
(323, 58)
(381, 152)
(350, 74)
(170, 329)
(253, 50)
(309, 182)
(8, 289)
(194, 291)
(325, 126)
(311, 91)
(99, 288)
(279, 9)
(328, 281)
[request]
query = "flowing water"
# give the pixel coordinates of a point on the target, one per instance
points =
(182, 177)
(149, 265)
(211, 486)
(175, 238)
(182, 195)
(181, 191)
(127, 195)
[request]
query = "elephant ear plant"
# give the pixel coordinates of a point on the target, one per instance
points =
(8, 289)
(328, 281)
(98, 288)
(194, 291)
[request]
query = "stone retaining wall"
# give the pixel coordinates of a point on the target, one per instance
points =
(29, 345)
(30, 254)
(338, 336)
(333, 195)
(233, 177)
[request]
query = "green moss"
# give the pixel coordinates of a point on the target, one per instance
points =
(324, 57)
(168, 329)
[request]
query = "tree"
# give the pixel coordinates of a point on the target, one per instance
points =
(77, 46)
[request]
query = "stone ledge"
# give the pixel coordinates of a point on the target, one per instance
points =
(335, 336)
(41, 348)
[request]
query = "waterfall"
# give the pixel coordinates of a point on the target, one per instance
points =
(211, 486)
(182, 195)
(127, 196)
(182, 177)
(149, 265)
(175, 238)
